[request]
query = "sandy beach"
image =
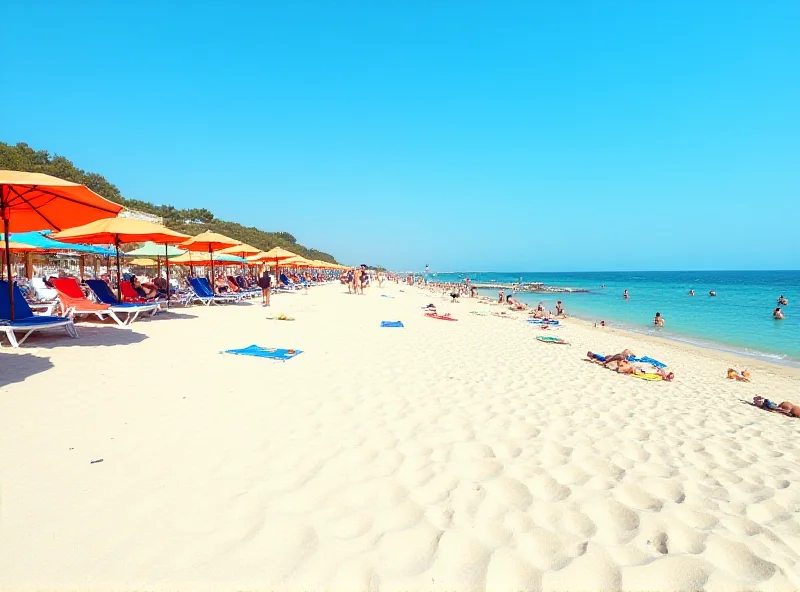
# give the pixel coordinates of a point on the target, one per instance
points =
(439, 456)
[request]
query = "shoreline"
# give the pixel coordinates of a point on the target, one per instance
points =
(752, 356)
(788, 368)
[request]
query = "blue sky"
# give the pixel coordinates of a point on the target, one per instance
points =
(467, 135)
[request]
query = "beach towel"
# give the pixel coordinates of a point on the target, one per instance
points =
(548, 339)
(391, 323)
(648, 376)
(647, 360)
(386, 296)
(480, 313)
(265, 352)
(440, 317)
(542, 322)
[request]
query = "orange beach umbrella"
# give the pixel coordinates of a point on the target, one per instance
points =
(34, 201)
(278, 254)
(209, 242)
(117, 231)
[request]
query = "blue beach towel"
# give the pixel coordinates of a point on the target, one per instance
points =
(647, 360)
(265, 352)
(391, 323)
(542, 322)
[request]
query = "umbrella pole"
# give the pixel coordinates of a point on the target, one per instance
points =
(213, 279)
(166, 264)
(119, 271)
(8, 265)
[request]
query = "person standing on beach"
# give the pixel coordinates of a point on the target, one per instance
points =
(560, 309)
(357, 285)
(265, 283)
(500, 296)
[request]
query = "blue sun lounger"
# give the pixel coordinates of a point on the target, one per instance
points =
(132, 309)
(24, 319)
(272, 353)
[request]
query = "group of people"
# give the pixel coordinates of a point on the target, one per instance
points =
(778, 313)
(356, 278)
(658, 321)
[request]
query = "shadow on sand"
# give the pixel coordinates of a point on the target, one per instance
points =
(15, 367)
(167, 315)
(89, 335)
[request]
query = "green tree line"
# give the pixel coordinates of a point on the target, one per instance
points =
(21, 157)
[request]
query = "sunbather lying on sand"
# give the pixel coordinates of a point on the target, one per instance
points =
(516, 305)
(785, 408)
(619, 363)
(600, 359)
(625, 367)
(743, 376)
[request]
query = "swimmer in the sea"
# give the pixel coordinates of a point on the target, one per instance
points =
(658, 321)
(777, 314)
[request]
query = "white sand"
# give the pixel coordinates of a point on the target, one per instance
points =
(446, 456)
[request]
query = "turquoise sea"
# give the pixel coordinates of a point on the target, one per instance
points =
(738, 319)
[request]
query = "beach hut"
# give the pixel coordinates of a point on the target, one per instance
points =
(35, 201)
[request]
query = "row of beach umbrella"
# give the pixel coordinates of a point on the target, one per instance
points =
(79, 216)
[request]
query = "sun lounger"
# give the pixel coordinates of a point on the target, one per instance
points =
(203, 294)
(287, 284)
(237, 285)
(42, 291)
(24, 319)
(105, 295)
(75, 303)
(225, 297)
(130, 295)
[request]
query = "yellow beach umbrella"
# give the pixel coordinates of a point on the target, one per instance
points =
(117, 231)
(209, 242)
(278, 254)
(240, 250)
(297, 261)
(143, 262)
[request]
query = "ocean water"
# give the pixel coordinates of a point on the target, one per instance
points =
(738, 319)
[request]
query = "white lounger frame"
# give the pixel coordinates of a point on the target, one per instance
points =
(9, 330)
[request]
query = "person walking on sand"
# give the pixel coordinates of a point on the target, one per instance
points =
(265, 283)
